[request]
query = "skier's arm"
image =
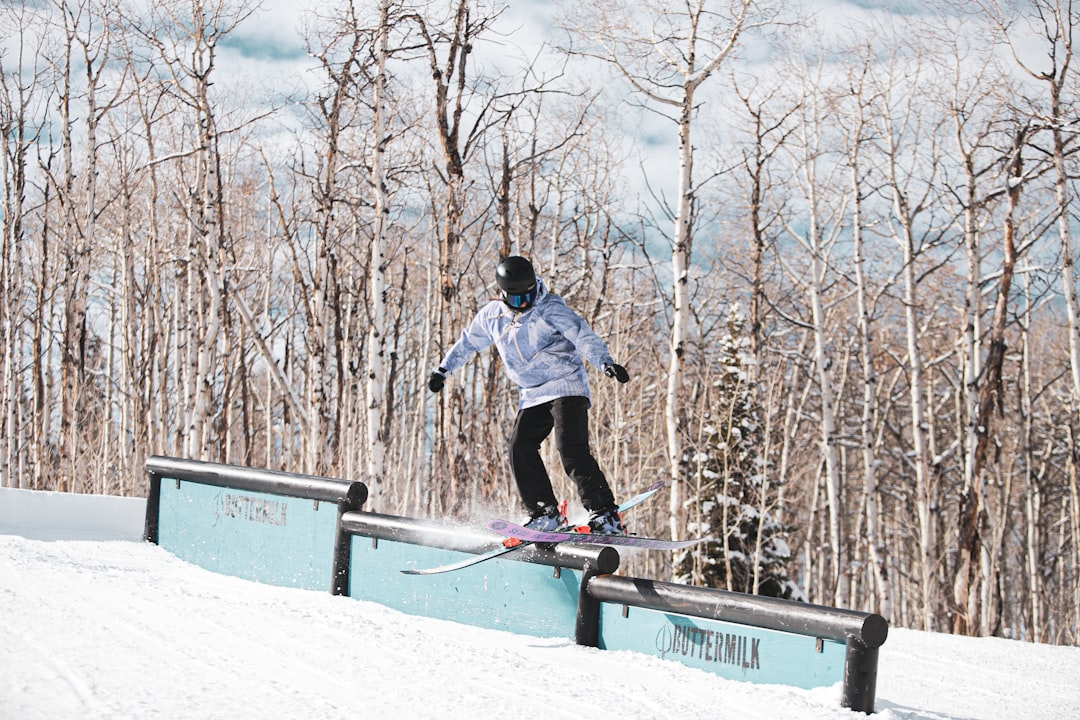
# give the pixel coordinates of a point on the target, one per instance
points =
(473, 339)
(574, 328)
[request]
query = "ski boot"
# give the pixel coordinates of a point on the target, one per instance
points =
(545, 519)
(606, 522)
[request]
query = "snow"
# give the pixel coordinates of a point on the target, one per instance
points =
(96, 624)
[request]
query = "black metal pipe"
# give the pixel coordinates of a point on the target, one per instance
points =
(273, 482)
(342, 560)
(465, 538)
(447, 535)
(587, 623)
(153, 509)
(860, 677)
(771, 613)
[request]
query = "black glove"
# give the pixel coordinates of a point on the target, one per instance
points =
(618, 372)
(436, 380)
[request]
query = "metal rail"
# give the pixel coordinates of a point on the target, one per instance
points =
(450, 536)
(861, 633)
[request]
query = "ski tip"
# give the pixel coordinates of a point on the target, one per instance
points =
(427, 571)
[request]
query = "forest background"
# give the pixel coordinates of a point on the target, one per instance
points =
(830, 241)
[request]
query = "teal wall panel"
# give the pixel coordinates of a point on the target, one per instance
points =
(257, 536)
(736, 652)
(506, 595)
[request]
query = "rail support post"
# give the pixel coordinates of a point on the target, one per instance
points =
(860, 676)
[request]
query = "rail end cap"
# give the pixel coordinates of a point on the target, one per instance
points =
(875, 629)
(356, 495)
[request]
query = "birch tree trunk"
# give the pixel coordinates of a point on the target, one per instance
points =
(1065, 22)
(974, 130)
(379, 337)
(1032, 474)
(815, 234)
(10, 136)
(154, 333)
(925, 497)
(856, 138)
(823, 365)
(680, 268)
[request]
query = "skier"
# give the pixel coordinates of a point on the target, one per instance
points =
(542, 343)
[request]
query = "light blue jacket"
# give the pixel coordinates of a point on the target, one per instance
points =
(541, 347)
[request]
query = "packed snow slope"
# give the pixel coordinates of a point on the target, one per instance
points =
(96, 624)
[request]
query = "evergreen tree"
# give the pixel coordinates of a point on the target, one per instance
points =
(726, 470)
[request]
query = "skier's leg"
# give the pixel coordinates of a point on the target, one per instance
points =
(571, 417)
(531, 427)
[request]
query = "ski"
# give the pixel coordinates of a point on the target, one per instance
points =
(503, 550)
(524, 534)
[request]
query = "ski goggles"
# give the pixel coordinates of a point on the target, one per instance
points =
(519, 301)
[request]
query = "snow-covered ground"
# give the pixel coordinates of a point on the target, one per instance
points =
(96, 624)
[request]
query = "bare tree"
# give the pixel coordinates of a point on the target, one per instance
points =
(666, 68)
(816, 231)
(470, 105)
(909, 137)
(379, 336)
(990, 404)
(456, 138)
(970, 106)
(856, 117)
(1053, 24)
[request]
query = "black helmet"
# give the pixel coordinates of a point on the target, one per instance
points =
(517, 282)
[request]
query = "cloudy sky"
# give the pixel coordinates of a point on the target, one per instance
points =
(267, 52)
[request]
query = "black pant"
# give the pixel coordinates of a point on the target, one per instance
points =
(569, 416)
